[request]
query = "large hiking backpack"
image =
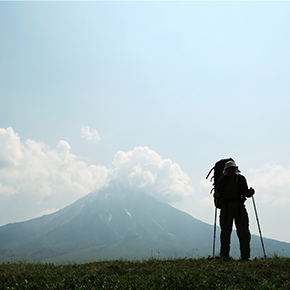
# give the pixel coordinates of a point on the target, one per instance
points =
(217, 173)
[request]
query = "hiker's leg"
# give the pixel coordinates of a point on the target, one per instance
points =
(226, 223)
(243, 232)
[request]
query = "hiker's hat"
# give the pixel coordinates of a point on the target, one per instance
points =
(230, 164)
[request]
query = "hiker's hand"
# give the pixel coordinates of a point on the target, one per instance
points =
(216, 194)
(251, 191)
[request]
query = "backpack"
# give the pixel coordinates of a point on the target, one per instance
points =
(218, 171)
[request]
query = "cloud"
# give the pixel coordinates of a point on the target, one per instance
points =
(207, 202)
(93, 135)
(7, 190)
(10, 148)
(42, 175)
(46, 212)
(35, 178)
(205, 186)
(272, 183)
(144, 169)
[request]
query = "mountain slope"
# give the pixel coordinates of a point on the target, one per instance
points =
(112, 223)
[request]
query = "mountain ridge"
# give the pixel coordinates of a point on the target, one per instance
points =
(111, 223)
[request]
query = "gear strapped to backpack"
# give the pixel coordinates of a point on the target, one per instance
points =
(218, 171)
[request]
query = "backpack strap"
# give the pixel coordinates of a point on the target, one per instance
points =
(209, 173)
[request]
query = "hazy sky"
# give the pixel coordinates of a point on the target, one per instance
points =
(148, 93)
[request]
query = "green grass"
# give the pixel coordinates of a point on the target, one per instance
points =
(269, 273)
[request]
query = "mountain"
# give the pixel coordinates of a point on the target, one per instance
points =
(114, 223)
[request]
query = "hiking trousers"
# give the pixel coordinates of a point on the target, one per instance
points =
(234, 211)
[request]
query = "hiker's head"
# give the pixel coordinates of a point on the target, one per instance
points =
(231, 168)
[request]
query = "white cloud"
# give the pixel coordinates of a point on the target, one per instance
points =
(272, 183)
(36, 170)
(46, 212)
(207, 202)
(10, 148)
(35, 179)
(283, 202)
(144, 169)
(7, 190)
(90, 135)
(205, 186)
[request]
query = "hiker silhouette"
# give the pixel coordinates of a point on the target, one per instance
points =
(231, 191)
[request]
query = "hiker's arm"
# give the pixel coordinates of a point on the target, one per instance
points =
(247, 192)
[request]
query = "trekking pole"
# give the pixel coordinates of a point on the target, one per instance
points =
(214, 233)
(259, 227)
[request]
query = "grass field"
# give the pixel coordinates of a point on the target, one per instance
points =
(268, 273)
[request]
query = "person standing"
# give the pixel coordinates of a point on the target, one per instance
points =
(232, 191)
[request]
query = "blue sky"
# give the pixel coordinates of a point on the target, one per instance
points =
(92, 91)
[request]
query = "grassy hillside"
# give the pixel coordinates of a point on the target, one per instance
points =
(270, 273)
